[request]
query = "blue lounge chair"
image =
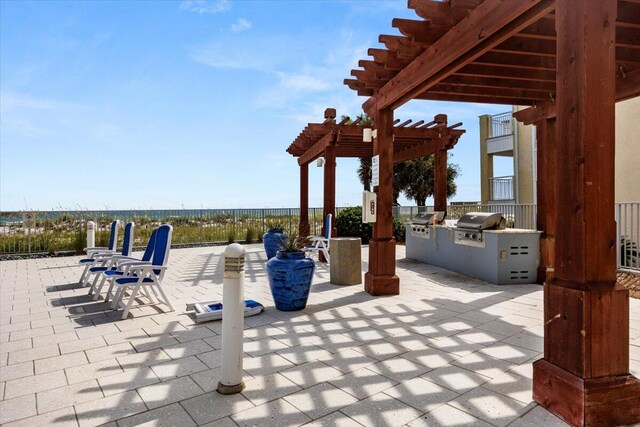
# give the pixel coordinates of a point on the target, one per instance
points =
(143, 276)
(321, 243)
(118, 266)
(92, 252)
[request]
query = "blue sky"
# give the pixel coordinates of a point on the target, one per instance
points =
(140, 105)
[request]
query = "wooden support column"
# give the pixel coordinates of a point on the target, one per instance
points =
(381, 278)
(303, 227)
(440, 169)
(546, 209)
(329, 191)
(584, 376)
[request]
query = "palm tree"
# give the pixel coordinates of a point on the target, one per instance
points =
(418, 179)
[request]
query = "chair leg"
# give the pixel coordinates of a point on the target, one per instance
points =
(84, 273)
(164, 296)
(98, 289)
(132, 298)
(92, 288)
(117, 297)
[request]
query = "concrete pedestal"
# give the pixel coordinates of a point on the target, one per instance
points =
(346, 261)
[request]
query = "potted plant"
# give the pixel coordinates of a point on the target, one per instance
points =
(290, 274)
(273, 238)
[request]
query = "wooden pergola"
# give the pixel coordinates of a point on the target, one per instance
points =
(345, 139)
(571, 60)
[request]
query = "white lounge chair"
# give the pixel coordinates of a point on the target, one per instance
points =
(92, 252)
(143, 276)
(321, 243)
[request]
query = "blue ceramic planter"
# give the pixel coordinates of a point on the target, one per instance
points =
(290, 276)
(272, 241)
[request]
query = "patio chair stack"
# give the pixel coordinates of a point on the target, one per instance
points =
(104, 260)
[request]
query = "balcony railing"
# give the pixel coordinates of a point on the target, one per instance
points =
(501, 125)
(501, 188)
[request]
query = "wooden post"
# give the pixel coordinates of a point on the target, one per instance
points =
(546, 209)
(303, 227)
(440, 168)
(381, 278)
(584, 376)
(330, 186)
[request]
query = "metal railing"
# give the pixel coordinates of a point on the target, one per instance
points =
(501, 188)
(66, 230)
(628, 233)
(501, 124)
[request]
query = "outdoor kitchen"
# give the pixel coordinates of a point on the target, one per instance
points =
(477, 245)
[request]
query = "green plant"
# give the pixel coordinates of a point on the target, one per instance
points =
(349, 224)
(250, 237)
(629, 252)
(293, 243)
(275, 226)
(231, 236)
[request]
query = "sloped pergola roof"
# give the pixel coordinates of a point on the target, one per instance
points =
(411, 140)
(449, 55)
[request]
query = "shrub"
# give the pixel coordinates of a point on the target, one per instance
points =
(251, 235)
(349, 224)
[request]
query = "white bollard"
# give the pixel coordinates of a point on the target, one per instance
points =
(91, 234)
(232, 320)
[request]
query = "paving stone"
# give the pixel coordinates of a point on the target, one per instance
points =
(167, 416)
(363, 383)
(188, 348)
(71, 395)
(90, 371)
(178, 368)
(348, 360)
(512, 385)
(311, 374)
(111, 408)
(146, 344)
(262, 347)
(421, 394)
(336, 419)
(266, 388)
(381, 410)
(489, 406)
(320, 400)
(191, 334)
(456, 378)
(60, 362)
(169, 392)
(399, 369)
(510, 353)
(80, 345)
(211, 358)
(34, 384)
(19, 370)
(213, 405)
(304, 353)
(8, 347)
(446, 416)
(65, 417)
(128, 335)
(33, 354)
(265, 365)
(222, 422)
(147, 358)
(273, 414)
(127, 380)
(15, 409)
(539, 416)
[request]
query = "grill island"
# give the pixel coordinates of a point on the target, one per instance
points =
(480, 246)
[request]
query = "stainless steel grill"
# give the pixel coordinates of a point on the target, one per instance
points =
(419, 225)
(470, 226)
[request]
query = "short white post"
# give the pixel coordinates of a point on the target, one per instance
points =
(232, 320)
(91, 234)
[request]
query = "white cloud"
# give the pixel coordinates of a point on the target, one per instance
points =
(240, 25)
(10, 101)
(205, 6)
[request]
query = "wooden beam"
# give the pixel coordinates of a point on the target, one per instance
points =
(414, 152)
(504, 82)
(303, 226)
(500, 59)
(316, 150)
(440, 181)
(430, 95)
(480, 70)
(490, 24)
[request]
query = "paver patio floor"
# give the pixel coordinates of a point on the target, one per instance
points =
(449, 350)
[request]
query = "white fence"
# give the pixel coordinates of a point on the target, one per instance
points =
(628, 223)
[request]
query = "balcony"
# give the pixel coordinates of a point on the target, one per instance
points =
(500, 140)
(501, 188)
